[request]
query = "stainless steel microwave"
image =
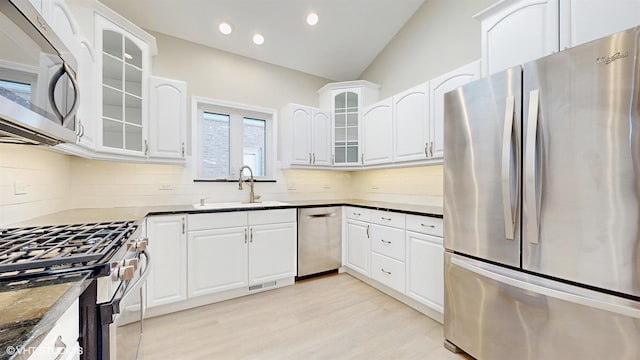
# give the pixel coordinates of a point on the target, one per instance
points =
(38, 86)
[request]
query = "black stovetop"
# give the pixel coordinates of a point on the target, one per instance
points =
(45, 250)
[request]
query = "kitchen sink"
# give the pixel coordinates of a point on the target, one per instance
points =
(237, 204)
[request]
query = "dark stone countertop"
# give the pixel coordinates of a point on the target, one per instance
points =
(31, 309)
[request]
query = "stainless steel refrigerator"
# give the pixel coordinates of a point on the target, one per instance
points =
(542, 207)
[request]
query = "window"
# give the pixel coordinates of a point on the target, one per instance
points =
(229, 136)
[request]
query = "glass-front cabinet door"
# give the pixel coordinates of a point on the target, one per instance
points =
(346, 127)
(123, 90)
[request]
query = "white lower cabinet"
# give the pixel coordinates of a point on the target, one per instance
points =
(402, 252)
(167, 281)
(62, 339)
(272, 252)
(425, 269)
(388, 271)
(217, 260)
(358, 246)
(220, 256)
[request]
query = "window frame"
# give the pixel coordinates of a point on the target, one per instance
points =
(237, 113)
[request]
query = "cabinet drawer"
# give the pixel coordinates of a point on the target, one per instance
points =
(388, 241)
(217, 220)
(356, 213)
(388, 271)
(272, 216)
(425, 224)
(388, 218)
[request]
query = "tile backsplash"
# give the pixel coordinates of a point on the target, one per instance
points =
(53, 182)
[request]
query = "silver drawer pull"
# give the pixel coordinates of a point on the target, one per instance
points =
(386, 272)
(357, 214)
(386, 242)
(384, 218)
(429, 226)
(59, 344)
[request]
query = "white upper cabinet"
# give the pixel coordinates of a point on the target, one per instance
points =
(585, 20)
(168, 118)
(123, 72)
(305, 136)
(438, 87)
(59, 16)
(377, 126)
(86, 115)
(411, 124)
(321, 137)
(517, 31)
(346, 101)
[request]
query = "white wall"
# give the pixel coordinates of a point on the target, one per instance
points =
(440, 37)
(45, 175)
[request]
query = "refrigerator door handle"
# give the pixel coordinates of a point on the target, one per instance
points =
(547, 291)
(530, 159)
(509, 219)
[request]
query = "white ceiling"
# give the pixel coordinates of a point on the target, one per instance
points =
(348, 37)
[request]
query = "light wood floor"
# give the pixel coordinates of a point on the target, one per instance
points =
(335, 317)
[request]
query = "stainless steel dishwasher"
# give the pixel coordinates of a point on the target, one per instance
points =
(319, 241)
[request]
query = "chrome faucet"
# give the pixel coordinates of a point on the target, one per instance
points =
(252, 196)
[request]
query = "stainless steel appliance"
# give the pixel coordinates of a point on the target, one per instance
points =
(38, 88)
(114, 253)
(319, 240)
(542, 207)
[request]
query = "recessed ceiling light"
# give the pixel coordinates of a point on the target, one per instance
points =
(258, 39)
(225, 28)
(312, 19)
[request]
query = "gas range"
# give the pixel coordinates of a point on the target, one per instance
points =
(114, 253)
(31, 252)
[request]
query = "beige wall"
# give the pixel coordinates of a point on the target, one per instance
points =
(216, 74)
(440, 37)
(45, 175)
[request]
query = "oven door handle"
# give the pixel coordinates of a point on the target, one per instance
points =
(107, 310)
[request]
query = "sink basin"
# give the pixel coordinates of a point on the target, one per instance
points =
(237, 204)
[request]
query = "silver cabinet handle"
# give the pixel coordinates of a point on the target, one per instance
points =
(251, 235)
(182, 149)
(509, 220)
(309, 158)
(386, 242)
(184, 226)
(59, 344)
(426, 149)
(429, 226)
(314, 158)
(357, 214)
(146, 148)
(530, 198)
(384, 271)
(246, 236)
(368, 231)
(431, 149)
(385, 219)
(362, 158)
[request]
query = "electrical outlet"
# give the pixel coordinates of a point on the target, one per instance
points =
(291, 186)
(19, 188)
(166, 186)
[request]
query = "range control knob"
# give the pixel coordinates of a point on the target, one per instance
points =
(126, 273)
(131, 262)
(141, 244)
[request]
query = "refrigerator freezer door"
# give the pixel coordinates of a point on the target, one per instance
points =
(481, 168)
(494, 313)
(582, 164)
